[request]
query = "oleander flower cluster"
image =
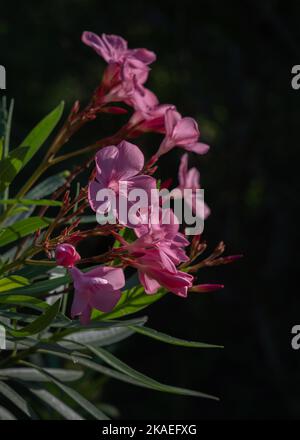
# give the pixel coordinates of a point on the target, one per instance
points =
(160, 252)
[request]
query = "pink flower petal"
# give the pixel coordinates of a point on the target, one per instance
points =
(105, 301)
(183, 169)
(129, 162)
(144, 55)
(197, 147)
(151, 285)
(171, 119)
(110, 47)
(114, 276)
(186, 132)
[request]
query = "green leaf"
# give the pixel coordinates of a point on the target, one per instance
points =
(39, 324)
(32, 272)
(16, 399)
(151, 333)
(53, 402)
(41, 190)
(131, 301)
(114, 362)
(41, 287)
(41, 132)
(19, 157)
(80, 400)
(32, 375)
(21, 229)
(29, 202)
(6, 415)
(8, 128)
(123, 372)
(95, 367)
(48, 186)
(12, 282)
(100, 337)
(75, 327)
(23, 301)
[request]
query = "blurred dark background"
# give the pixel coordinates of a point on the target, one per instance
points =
(228, 64)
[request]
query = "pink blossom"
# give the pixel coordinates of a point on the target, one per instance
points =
(190, 179)
(164, 237)
(114, 49)
(157, 251)
(149, 117)
(183, 132)
(118, 169)
(155, 270)
(98, 289)
(66, 255)
(127, 69)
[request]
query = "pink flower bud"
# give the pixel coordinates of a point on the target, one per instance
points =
(66, 255)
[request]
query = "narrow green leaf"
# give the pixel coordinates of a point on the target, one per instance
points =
(23, 301)
(6, 415)
(19, 157)
(12, 282)
(21, 229)
(41, 132)
(32, 375)
(55, 403)
(114, 362)
(41, 190)
(42, 287)
(14, 397)
(78, 398)
(31, 272)
(151, 333)
(7, 141)
(48, 186)
(123, 373)
(39, 324)
(31, 202)
(101, 337)
(95, 367)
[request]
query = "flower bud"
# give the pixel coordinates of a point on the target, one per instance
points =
(66, 255)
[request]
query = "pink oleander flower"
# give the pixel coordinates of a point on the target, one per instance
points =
(127, 69)
(156, 269)
(117, 170)
(114, 49)
(164, 237)
(182, 132)
(97, 289)
(190, 179)
(66, 255)
(151, 118)
(157, 251)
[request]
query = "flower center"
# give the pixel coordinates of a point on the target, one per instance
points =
(114, 185)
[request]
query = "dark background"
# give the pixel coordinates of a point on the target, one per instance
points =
(228, 64)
